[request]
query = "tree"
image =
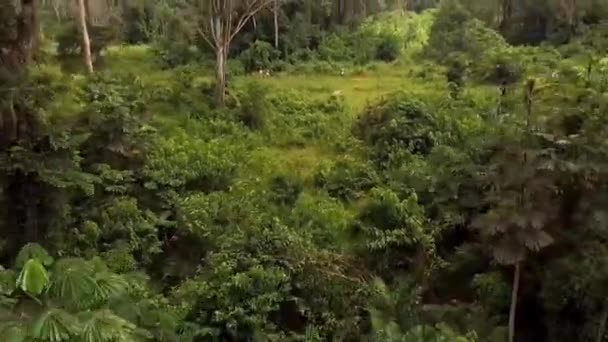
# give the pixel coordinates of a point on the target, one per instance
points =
(218, 22)
(19, 26)
(64, 300)
(275, 13)
(523, 200)
(85, 44)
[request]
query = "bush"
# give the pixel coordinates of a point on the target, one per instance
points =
(298, 119)
(285, 190)
(346, 179)
(101, 37)
(260, 55)
(389, 48)
(455, 31)
(190, 163)
(397, 125)
(254, 106)
(335, 47)
(175, 53)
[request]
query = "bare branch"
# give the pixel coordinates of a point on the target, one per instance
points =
(252, 9)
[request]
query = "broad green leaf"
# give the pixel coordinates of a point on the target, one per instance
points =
(33, 278)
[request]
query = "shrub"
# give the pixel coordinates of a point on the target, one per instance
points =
(285, 189)
(389, 48)
(101, 37)
(395, 125)
(254, 106)
(346, 179)
(175, 53)
(191, 163)
(456, 31)
(298, 118)
(335, 47)
(260, 55)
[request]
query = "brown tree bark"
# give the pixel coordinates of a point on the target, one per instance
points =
(601, 331)
(220, 87)
(85, 44)
(15, 55)
(276, 24)
(514, 295)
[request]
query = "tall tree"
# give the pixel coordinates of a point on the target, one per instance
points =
(85, 44)
(524, 204)
(218, 22)
(275, 13)
(19, 26)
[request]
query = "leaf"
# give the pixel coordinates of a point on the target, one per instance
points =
(33, 278)
(536, 240)
(8, 279)
(509, 252)
(72, 283)
(105, 326)
(33, 251)
(108, 285)
(13, 331)
(55, 325)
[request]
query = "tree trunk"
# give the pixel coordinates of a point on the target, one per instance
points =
(514, 295)
(276, 24)
(220, 81)
(507, 14)
(85, 45)
(602, 328)
(16, 53)
(28, 33)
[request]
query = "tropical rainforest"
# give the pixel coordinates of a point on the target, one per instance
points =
(304, 170)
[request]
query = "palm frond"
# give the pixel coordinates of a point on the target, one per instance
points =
(72, 283)
(33, 251)
(55, 325)
(105, 326)
(108, 285)
(13, 331)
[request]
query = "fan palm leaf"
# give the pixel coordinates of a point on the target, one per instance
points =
(72, 283)
(105, 326)
(55, 325)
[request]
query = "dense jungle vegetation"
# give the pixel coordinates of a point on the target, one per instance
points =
(304, 170)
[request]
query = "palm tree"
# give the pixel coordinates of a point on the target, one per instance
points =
(523, 203)
(65, 300)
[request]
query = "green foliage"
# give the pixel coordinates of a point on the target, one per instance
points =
(298, 118)
(346, 179)
(33, 278)
(260, 55)
(493, 291)
(69, 40)
(389, 48)
(254, 106)
(397, 125)
(166, 219)
(455, 32)
(192, 163)
(285, 189)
